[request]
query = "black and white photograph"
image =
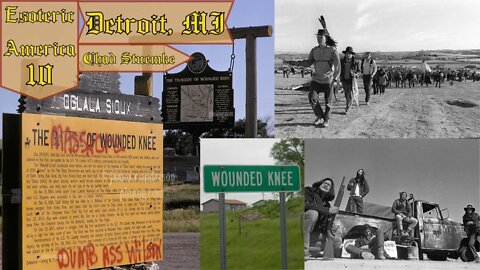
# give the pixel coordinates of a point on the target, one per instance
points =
(396, 203)
(377, 69)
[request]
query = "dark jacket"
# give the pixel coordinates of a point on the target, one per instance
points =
(354, 68)
(472, 217)
(362, 241)
(314, 202)
(401, 207)
(364, 188)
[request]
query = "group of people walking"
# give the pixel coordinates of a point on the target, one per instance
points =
(370, 244)
(401, 76)
(330, 70)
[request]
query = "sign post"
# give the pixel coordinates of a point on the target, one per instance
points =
(251, 34)
(283, 231)
(223, 238)
(251, 178)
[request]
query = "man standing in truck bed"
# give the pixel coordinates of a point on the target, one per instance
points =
(359, 188)
(403, 212)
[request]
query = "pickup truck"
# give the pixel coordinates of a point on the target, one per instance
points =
(436, 235)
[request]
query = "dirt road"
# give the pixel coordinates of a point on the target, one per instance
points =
(420, 112)
(388, 264)
(181, 251)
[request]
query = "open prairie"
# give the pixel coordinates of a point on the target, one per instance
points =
(452, 111)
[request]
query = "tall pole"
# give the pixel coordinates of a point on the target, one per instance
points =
(223, 242)
(251, 34)
(251, 87)
(283, 231)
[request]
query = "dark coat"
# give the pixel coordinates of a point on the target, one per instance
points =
(472, 217)
(402, 207)
(354, 68)
(364, 188)
(313, 201)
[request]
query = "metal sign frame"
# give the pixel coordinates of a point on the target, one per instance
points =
(218, 82)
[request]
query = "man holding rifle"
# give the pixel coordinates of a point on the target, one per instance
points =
(317, 213)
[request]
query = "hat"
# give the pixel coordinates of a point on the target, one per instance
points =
(403, 192)
(349, 50)
(322, 32)
(469, 207)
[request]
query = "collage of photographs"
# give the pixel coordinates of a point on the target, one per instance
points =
(326, 135)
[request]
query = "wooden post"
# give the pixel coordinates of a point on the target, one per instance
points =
(251, 88)
(251, 34)
(143, 85)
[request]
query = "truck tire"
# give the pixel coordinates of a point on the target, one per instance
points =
(437, 257)
(466, 255)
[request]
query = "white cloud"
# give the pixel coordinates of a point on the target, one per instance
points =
(364, 20)
(364, 5)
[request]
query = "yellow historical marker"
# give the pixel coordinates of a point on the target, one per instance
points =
(92, 192)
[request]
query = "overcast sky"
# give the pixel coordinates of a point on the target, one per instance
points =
(445, 171)
(260, 13)
(236, 152)
(379, 25)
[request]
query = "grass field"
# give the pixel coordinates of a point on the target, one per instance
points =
(181, 208)
(258, 245)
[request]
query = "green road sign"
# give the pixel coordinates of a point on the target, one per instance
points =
(244, 178)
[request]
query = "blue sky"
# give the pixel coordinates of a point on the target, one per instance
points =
(244, 13)
(379, 25)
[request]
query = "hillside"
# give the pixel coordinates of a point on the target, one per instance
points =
(467, 56)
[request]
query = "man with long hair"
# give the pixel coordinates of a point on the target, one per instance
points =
(359, 188)
(327, 61)
(471, 223)
(348, 73)
(317, 211)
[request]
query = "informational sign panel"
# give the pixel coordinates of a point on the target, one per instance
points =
(228, 178)
(198, 97)
(92, 192)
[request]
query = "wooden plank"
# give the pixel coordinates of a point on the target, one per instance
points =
(255, 31)
(98, 104)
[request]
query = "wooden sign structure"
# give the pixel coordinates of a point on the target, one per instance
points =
(87, 192)
(251, 34)
(96, 104)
